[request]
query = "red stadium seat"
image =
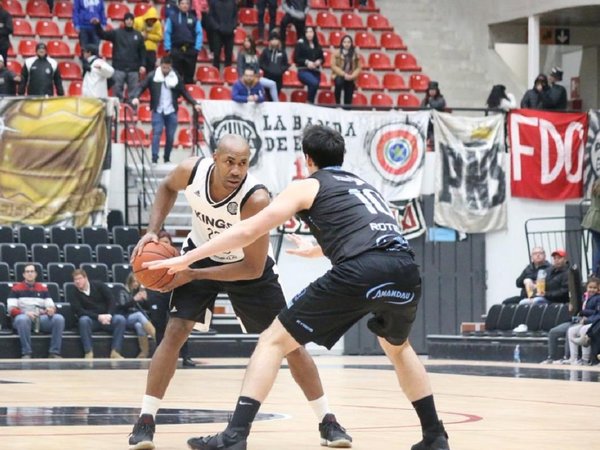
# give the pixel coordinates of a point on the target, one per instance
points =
(335, 38)
(75, 88)
(327, 20)
(369, 7)
(364, 39)
(352, 21)
(14, 7)
(326, 98)
(278, 16)
(184, 138)
(282, 97)
(183, 115)
(69, 70)
(209, 75)
(47, 28)
(325, 81)
(378, 22)
(290, 79)
(368, 81)
(230, 74)
(299, 96)
(408, 101)
(248, 16)
(203, 56)
(63, 9)
(319, 4)
(144, 113)
(394, 82)
(321, 38)
(326, 58)
(310, 22)
(70, 30)
(380, 99)
(195, 91)
(418, 82)
(59, 49)
(106, 49)
(220, 93)
(77, 50)
(134, 136)
(291, 37)
(380, 61)
(145, 97)
(140, 8)
(342, 5)
(27, 47)
(11, 51)
(116, 11)
(22, 27)
(359, 99)
(38, 8)
(392, 41)
(239, 34)
(406, 62)
(15, 66)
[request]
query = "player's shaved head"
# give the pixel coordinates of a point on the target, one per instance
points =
(232, 142)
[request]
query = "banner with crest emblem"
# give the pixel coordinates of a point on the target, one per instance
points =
(386, 149)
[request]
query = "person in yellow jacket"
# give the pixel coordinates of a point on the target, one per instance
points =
(149, 25)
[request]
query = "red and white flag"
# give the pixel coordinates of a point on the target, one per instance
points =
(547, 153)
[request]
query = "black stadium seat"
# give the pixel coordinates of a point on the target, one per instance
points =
(45, 253)
(94, 236)
(563, 314)
(5, 290)
(506, 318)
(20, 268)
(66, 311)
(31, 234)
(63, 235)
(120, 272)
(125, 236)
(549, 317)
(60, 272)
(6, 234)
(109, 254)
(520, 316)
(13, 253)
(4, 272)
(491, 320)
(69, 290)
(78, 254)
(534, 318)
(54, 291)
(96, 271)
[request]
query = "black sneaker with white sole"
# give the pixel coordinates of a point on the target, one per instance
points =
(333, 434)
(143, 433)
(227, 440)
(436, 439)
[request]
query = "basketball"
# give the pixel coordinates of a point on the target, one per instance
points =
(153, 251)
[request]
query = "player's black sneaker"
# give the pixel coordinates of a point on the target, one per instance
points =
(143, 433)
(333, 434)
(227, 440)
(433, 440)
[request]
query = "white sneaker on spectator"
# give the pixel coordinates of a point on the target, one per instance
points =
(521, 328)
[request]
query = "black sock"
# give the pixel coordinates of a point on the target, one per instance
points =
(425, 409)
(243, 416)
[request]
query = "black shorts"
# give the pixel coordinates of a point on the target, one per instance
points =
(256, 302)
(385, 283)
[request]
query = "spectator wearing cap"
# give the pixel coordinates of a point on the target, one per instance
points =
(555, 98)
(84, 11)
(533, 97)
(274, 61)
(6, 29)
(40, 75)
(128, 57)
(8, 80)
(96, 74)
(149, 25)
(556, 289)
(183, 40)
(434, 98)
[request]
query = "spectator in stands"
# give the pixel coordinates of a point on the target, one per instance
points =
(6, 29)
(346, 67)
(591, 222)
(30, 306)
(84, 12)
(40, 75)
(8, 80)
(500, 99)
(128, 57)
(533, 97)
(526, 281)
(148, 24)
(95, 308)
(274, 61)
(95, 74)
(555, 98)
(248, 59)
(556, 289)
(132, 304)
(166, 86)
(577, 334)
(261, 5)
(434, 98)
(183, 40)
(248, 88)
(309, 59)
(222, 19)
(295, 14)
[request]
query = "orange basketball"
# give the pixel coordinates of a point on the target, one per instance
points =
(152, 251)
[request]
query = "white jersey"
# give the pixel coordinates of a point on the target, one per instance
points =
(210, 217)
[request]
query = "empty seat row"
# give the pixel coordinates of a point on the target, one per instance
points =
(501, 320)
(61, 272)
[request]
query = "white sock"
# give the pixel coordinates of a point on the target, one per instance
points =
(150, 405)
(320, 407)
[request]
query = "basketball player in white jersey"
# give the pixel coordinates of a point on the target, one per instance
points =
(221, 192)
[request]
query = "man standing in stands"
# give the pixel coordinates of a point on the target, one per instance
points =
(93, 305)
(40, 75)
(30, 306)
(6, 29)
(222, 20)
(129, 54)
(295, 14)
(84, 11)
(8, 80)
(95, 74)
(555, 98)
(183, 39)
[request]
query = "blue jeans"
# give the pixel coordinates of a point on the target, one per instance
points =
(136, 321)
(595, 252)
(311, 80)
(88, 36)
(87, 325)
(270, 86)
(160, 121)
(54, 325)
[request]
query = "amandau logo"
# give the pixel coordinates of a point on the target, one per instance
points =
(390, 295)
(233, 124)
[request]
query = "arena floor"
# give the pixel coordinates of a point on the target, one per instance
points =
(76, 404)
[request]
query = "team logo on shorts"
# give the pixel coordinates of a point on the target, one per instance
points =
(232, 208)
(387, 293)
(233, 124)
(397, 151)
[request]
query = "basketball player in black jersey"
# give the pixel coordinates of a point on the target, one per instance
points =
(373, 271)
(221, 192)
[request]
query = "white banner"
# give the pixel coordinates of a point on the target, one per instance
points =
(470, 193)
(386, 149)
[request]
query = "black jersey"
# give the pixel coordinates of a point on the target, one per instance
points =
(349, 217)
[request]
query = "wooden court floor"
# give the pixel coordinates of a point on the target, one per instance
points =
(484, 405)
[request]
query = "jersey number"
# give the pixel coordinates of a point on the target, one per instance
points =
(372, 200)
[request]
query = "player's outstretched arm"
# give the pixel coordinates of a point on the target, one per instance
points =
(304, 247)
(299, 195)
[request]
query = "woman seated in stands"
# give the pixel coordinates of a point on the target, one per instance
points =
(130, 304)
(308, 57)
(577, 334)
(346, 67)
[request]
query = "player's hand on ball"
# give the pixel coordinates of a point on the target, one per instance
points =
(173, 264)
(303, 247)
(148, 237)
(180, 279)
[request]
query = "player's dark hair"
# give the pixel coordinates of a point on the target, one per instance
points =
(324, 145)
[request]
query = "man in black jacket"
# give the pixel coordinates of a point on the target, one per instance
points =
(295, 14)
(165, 88)
(129, 54)
(555, 98)
(40, 74)
(6, 29)
(8, 80)
(526, 281)
(222, 20)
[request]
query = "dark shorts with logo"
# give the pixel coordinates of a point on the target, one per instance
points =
(256, 302)
(385, 283)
